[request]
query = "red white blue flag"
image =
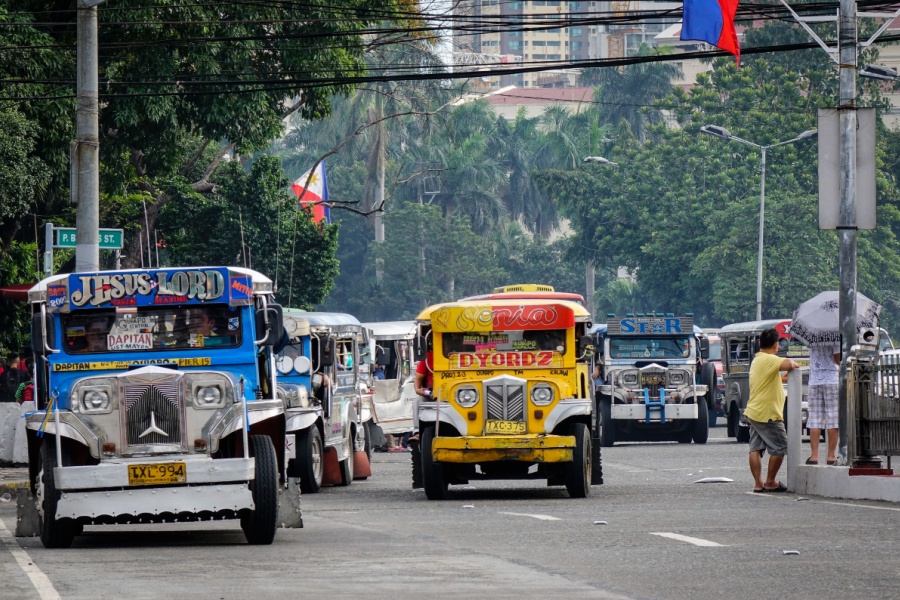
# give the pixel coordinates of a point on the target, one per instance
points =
(711, 21)
(312, 193)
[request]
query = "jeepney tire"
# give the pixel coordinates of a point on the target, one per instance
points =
(607, 426)
(55, 533)
(732, 422)
(259, 525)
(310, 459)
(701, 425)
(347, 464)
(433, 477)
(578, 472)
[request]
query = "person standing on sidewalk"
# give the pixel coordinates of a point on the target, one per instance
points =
(765, 412)
(824, 372)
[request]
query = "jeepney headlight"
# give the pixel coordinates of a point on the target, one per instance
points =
(95, 399)
(467, 397)
(542, 395)
(208, 395)
(676, 377)
(629, 377)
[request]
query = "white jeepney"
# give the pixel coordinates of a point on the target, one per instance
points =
(394, 395)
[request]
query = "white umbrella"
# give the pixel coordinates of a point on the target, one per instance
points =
(816, 320)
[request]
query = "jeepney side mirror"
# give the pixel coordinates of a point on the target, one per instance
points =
(40, 345)
(326, 352)
(598, 346)
(382, 356)
(704, 347)
(421, 349)
(274, 333)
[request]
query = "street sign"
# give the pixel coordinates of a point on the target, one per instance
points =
(110, 239)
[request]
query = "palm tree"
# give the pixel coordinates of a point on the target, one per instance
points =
(628, 94)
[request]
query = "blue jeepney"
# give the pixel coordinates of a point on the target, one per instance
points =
(327, 403)
(156, 400)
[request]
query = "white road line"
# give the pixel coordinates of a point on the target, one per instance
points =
(857, 505)
(40, 581)
(684, 538)
(539, 517)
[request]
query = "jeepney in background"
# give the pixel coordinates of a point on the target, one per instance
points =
(649, 371)
(740, 343)
(144, 378)
(395, 395)
(512, 395)
(322, 418)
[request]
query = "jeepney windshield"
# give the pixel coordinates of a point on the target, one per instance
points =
(151, 328)
(650, 347)
(791, 348)
(504, 341)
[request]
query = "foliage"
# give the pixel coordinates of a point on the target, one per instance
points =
(254, 222)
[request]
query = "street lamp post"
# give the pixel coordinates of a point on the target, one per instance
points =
(721, 132)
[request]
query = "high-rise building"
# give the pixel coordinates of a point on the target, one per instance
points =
(524, 32)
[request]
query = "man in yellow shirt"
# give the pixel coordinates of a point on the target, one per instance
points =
(765, 412)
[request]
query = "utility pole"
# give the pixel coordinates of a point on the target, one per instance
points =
(86, 163)
(374, 117)
(847, 32)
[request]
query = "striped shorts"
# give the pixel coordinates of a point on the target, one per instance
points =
(823, 407)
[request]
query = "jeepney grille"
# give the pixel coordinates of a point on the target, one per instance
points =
(505, 402)
(159, 400)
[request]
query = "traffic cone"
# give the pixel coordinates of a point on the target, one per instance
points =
(331, 469)
(362, 469)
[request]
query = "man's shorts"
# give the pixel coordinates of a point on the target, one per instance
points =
(823, 407)
(769, 436)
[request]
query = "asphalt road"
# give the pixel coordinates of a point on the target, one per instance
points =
(665, 537)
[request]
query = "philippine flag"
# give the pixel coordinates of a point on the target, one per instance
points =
(711, 21)
(316, 192)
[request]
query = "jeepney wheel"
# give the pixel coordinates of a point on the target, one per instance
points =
(310, 460)
(432, 472)
(732, 422)
(607, 427)
(364, 439)
(259, 524)
(701, 425)
(578, 472)
(347, 464)
(55, 533)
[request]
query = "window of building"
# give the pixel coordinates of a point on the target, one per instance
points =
(552, 2)
(553, 57)
(538, 2)
(539, 56)
(575, 32)
(515, 34)
(538, 43)
(515, 45)
(574, 6)
(515, 6)
(553, 43)
(576, 46)
(553, 30)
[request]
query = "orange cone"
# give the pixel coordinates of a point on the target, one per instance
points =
(331, 469)
(362, 469)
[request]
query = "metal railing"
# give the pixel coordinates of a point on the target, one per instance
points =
(873, 399)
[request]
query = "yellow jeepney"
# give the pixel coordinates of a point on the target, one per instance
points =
(512, 396)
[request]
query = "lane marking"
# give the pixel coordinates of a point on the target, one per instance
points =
(539, 517)
(38, 579)
(857, 505)
(685, 538)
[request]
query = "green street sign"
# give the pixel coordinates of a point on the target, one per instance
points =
(110, 239)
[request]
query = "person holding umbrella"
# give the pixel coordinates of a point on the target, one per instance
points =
(815, 323)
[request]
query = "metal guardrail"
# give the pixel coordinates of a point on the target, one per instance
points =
(874, 404)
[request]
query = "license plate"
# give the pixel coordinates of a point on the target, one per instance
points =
(504, 427)
(157, 474)
(651, 379)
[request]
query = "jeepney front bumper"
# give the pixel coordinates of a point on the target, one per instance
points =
(636, 412)
(211, 485)
(529, 448)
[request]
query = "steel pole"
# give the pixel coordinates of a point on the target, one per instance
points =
(762, 221)
(847, 32)
(87, 214)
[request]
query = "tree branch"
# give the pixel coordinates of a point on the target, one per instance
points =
(203, 185)
(190, 164)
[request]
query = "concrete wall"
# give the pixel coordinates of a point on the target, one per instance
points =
(13, 448)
